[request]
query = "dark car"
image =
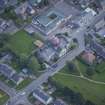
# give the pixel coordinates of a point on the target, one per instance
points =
(54, 66)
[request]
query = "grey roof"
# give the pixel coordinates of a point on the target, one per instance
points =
(16, 78)
(2, 4)
(12, 2)
(45, 97)
(47, 53)
(101, 32)
(98, 49)
(6, 70)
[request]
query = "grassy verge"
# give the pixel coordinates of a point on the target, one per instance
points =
(3, 97)
(23, 84)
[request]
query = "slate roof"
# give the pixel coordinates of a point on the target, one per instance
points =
(41, 95)
(6, 70)
(16, 78)
(98, 49)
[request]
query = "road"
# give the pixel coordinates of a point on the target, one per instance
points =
(11, 92)
(60, 63)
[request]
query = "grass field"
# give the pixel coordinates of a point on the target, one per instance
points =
(90, 91)
(21, 43)
(3, 97)
(99, 67)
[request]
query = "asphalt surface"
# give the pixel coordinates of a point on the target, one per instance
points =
(11, 92)
(20, 97)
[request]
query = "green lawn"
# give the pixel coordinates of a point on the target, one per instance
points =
(23, 84)
(3, 97)
(21, 43)
(99, 67)
(100, 76)
(90, 91)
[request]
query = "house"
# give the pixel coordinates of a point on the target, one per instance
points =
(42, 96)
(16, 79)
(6, 57)
(7, 26)
(29, 29)
(101, 32)
(88, 57)
(6, 71)
(3, 25)
(100, 25)
(100, 51)
(24, 10)
(47, 53)
(59, 102)
(60, 44)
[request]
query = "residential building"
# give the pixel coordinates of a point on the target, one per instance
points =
(100, 25)
(8, 72)
(42, 96)
(88, 57)
(17, 79)
(100, 51)
(101, 32)
(24, 10)
(60, 44)
(47, 53)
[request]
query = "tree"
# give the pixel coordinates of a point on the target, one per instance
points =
(9, 14)
(78, 99)
(71, 66)
(3, 39)
(90, 71)
(43, 3)
(89, 103)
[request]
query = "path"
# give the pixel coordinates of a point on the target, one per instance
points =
(85, 78)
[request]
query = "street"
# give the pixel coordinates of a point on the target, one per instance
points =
(79, 34)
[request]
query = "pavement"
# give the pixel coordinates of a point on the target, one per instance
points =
(10, 91)
(20, 97)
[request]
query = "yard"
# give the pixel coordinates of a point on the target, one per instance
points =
(23, 84)
(23, 46)
(34, 65)
(3, 97)
(98, 76)
(21, 43)
(91, 91)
